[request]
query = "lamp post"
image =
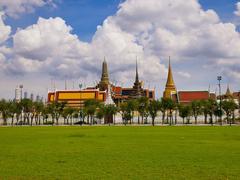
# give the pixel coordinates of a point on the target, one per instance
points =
(219, 78)
(80, 108)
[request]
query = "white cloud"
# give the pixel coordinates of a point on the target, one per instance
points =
(15, 7)
(237, 12)
(151, 30)
(4, 29)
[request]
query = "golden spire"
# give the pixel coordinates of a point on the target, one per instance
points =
(170, 88)
(170, 81)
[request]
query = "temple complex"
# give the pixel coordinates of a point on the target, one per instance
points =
(105, 92)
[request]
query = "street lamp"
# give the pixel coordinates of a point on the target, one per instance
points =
(219, 78)
(80, 101)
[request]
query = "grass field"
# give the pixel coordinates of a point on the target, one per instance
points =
(120, 153)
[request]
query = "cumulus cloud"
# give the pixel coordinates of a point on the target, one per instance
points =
(4, 29)
(15, 7)
(151, 30)
(237, 12)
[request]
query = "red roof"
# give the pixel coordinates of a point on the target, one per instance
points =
(189, 96)
(117, 89)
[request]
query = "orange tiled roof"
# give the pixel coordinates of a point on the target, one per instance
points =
(189, 96)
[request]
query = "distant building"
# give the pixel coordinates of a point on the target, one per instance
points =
(17, 94)
(76, 98)
(32, 97)
(25, 95)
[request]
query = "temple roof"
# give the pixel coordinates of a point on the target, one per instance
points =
(189, 96)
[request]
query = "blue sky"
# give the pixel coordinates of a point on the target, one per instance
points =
(201, 46)
(85, 15)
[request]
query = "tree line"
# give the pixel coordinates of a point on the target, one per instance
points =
(27, 112)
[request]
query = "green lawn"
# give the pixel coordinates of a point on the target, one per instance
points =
(120, 153)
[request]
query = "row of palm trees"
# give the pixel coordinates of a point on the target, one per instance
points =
(27, 112)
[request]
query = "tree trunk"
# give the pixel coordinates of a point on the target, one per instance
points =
(205, 119)
(153, 121)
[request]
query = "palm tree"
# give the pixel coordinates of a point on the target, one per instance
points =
(153, 109)
(196, 109)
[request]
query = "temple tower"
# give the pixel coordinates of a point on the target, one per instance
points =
(170, 88)
(137, 87)
(103, 84)
(228, 94)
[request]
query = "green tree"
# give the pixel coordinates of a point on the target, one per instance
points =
(163, 109)
(125, 112)
(184, 111)
(100, 112)
(91, 107)
(27, 107)
(229, 107)
(196, 109)
(142, 108)
(109, 112)
(205, 109)
(153, 109)
(4, 109)
(170, 105)
(67, 114)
